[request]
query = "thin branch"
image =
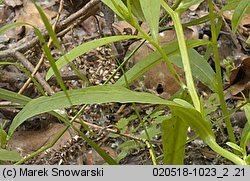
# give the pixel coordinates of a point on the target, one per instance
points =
(19, 56)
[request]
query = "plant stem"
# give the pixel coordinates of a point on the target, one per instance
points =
(230, 156)
(184, 54)
(219, 88)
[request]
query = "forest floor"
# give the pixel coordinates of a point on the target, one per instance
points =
(82, 22)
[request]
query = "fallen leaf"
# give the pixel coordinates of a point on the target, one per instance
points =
(239, 79)
(29, 14)
(32, 140)
(123, 26)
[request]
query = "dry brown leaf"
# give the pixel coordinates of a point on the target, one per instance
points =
(3, 14)
(29, 14)
(239, 79)
(122, 26)
(30, 141)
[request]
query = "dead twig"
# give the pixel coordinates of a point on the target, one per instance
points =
(25, 62)
(117, 131)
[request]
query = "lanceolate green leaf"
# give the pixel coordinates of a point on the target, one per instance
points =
(151, 11)
(201, 69)
(189, 114)
(118, 3)
(113, 93)
(239, 13)
(174, 136)
(10, 26)
(136, 9)
(13, 97)
(90, 95)
(81, 49)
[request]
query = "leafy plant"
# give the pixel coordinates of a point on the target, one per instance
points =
(187, 110)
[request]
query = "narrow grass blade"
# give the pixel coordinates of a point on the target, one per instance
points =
(10, 26)
(13, 97)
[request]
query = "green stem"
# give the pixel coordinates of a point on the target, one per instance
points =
(218, 73)
(184, 54)
(163, 54)
(230, 156)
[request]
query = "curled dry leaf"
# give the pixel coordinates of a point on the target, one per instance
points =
(239, 79)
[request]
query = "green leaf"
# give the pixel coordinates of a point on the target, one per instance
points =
(136, 9)
(90, 95)
(239, 12)
(174, 136)
(104, 94)
(235, 147)
(13, 97)
(3, 137)
(6, 155)
(113, 93)
(231, 5)
(81, 49)
(10, 26)
(185, 4)
(245, 135)
(152, 132)
(51, 59)
(201, 69)
(193, 118)
(117, 6)
(151, 11)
